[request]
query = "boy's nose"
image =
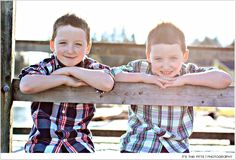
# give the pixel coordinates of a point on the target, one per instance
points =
(166, 66)
(70, 50)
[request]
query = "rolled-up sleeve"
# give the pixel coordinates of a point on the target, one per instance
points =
(32, 69)
(130, 67)
(193, 68)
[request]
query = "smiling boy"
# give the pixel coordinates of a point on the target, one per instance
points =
(62, 127)
(164, 129)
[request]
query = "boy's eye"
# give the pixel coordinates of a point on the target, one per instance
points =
(62, 42)
(157, 59)
(78, 44)
(173, 58)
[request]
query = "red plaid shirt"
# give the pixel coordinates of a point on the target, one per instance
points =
(60, 124)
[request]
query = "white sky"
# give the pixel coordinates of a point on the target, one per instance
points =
(197, 19)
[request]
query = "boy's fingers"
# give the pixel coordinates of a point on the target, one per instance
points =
(165, 81)
(160, 85)
(168, 85)
(161, 80)
(81, 83)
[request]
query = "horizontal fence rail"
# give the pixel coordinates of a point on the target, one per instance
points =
(117, 133)
(200, 55)
(135, 93)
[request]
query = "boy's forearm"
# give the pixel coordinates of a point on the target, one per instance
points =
(129, 77)
(95, 78)
(37, 83)
(214, 79)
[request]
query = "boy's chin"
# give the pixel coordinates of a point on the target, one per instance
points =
(166, 76)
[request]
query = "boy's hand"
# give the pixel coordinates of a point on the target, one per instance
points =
(74, 82)
(160, 81)
(179, 81)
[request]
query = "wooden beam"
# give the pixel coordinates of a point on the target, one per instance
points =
(117, 133)
(135, 93)
(115, 54)
(7, 70)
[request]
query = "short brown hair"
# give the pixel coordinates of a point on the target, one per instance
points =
(166, 33)
(73, 20)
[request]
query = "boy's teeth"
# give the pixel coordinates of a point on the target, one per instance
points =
(166, 72)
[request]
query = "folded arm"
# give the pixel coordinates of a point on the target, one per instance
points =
(142, 77)
(95, 78)
(212, 78)
(37, 83)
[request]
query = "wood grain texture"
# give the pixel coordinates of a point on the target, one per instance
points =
(134, 93)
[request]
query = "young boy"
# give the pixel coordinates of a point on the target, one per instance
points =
(164, 129)
(62, 127)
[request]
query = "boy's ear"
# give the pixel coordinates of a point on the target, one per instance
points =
(52, 45)
(186, 55)
(89, 46)
(148, 53)
(148, 56)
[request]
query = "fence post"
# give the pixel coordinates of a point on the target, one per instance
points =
(7, 72)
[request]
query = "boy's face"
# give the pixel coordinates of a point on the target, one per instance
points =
(70, 45)
(166, 59)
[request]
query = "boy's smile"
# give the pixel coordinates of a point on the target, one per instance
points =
(166, 59)
(70, 45)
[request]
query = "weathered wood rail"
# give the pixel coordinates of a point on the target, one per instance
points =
(119, 53)
(135, 93)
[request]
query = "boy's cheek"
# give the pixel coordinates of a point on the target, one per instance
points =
(155, 69)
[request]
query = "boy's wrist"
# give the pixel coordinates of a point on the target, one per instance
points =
(64, 79)
(67, 70)
(143, 77)
(187, 78)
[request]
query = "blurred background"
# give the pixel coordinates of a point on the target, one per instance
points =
(209, 27)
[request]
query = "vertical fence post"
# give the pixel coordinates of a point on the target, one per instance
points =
(7, 72)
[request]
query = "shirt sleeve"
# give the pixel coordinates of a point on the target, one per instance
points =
(33, 69)
(99, 66)
(193, 68)
(130, 67)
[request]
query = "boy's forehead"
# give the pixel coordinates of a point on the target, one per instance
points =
(69, 28)
(166, 46)
(71, 32)
(159, 49)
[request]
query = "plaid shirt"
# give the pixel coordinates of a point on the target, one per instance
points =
(60, 124)
(152, 127)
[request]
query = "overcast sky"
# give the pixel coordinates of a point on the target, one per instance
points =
(197, 19)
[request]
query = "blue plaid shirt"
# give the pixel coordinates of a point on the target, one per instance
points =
(152, 127)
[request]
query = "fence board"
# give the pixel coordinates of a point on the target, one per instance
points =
(117, 133)
(121, 53)
(135, 93)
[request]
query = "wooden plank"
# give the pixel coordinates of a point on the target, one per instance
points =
(200, 55)
(42, 46)
(118, 133)
(134, 93)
